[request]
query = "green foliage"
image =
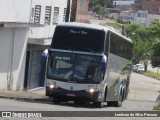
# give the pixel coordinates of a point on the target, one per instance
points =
(152, 74)
(154, 30)
(142, 49)
(155, 59)
(99, 9)
(142, 41)
(144, 34)
(103, 3)
(156, 107)
(114, 25)
(130, 28)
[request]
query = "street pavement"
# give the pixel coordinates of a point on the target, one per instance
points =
(141, 88)
(142, 95)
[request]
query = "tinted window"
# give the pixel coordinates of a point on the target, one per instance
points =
(87, 69)
(78, 39)
(119, 46)
(60, 65)
(107, 42)
(74, 67)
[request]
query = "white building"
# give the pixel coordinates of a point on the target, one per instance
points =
(123, 2)
(17, 57)
(14, 24)
(151, 17)
(127, 16)
(49, 13)
(141, 17)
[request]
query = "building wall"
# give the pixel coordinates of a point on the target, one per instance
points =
(82, 13)
(153, 6)
(12, 54)
(151, 17)
(141, 17)
(5, 53)
(13, 42)
(40, 39)
(15, 10)
(123, 2)
(47, 31)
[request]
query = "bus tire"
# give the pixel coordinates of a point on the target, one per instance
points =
(56, 100)
(110, 103)
(98, 104)
(120, 99)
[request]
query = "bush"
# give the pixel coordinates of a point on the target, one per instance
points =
(156, 107)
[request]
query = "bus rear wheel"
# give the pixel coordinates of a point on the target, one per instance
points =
(119, 102)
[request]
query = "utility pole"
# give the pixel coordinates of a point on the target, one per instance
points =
(68, 11)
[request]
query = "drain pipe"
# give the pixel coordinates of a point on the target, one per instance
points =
(10, 74)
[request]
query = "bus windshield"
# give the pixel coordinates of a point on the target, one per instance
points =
(76, 38)
(74, 67)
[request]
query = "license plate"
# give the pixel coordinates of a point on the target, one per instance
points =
(71, 95)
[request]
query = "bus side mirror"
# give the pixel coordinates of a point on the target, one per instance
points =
(103, 63)
(44, 55)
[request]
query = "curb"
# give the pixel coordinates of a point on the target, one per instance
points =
(28, 99)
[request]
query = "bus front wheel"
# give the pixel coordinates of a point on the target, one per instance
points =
(56, 100)
(99, 104)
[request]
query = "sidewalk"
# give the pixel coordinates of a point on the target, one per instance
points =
(37, 94)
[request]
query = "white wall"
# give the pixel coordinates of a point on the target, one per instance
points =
(47, 31)
(5, 45)
(13, 42)
(15, 10)
(142, 19)
(119, 3)
(151, 17)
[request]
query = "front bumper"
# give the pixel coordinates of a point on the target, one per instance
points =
(68, 95)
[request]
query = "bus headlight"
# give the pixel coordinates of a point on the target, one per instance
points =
(51, 86)
(91, 90)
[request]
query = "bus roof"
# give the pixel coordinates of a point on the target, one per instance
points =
(93, 26)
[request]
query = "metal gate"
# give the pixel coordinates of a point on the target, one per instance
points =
(34, 73)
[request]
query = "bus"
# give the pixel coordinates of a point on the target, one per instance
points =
(88, 63)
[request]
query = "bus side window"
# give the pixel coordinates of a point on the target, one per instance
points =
(107, 42)
(112, 43)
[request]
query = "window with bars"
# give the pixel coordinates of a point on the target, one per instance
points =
(37, 14)
(56, 15)
(47, 15)
(64, 14)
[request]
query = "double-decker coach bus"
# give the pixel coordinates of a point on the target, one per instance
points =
(89, 63)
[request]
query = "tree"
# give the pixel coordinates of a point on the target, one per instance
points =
(142, 50)
(130, 28)
(99, 10)
(155, 59)
(103, 3)
(154, 30)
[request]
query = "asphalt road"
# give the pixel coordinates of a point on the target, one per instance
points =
(142, 96)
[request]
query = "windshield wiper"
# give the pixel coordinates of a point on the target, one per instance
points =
(58, 77)
(87, 49)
